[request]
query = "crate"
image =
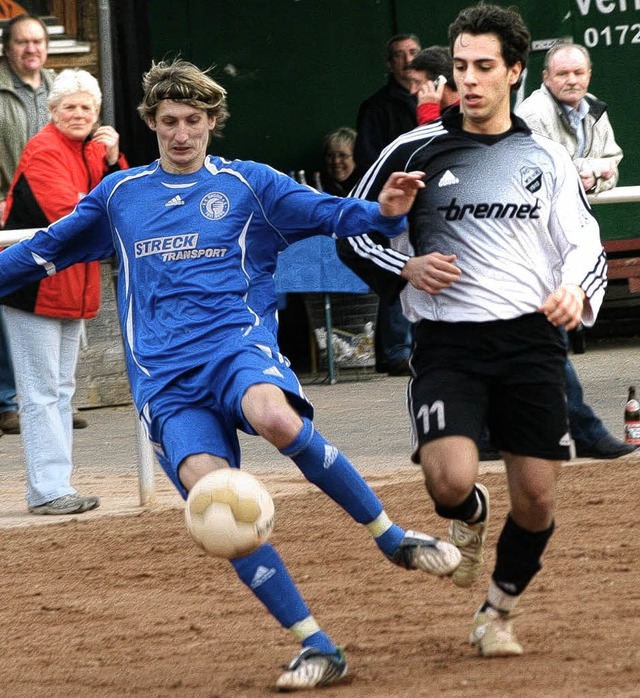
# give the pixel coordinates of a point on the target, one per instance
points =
(353, 318)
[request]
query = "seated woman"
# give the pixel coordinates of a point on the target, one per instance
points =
(338, 175)
(59, 166)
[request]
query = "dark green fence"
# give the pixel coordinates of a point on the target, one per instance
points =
(297, 69)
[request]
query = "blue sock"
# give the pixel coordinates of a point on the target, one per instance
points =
(264, 572)
(389, 541)
(320, 641)
(325, 466)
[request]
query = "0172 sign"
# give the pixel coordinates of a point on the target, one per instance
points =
(617, 35)
(613, 33)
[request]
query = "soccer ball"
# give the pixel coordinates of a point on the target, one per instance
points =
(229, 513)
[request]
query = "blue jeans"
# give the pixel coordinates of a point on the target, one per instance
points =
(45, 353)
(585, 426)
(394, 334)
(7, 382)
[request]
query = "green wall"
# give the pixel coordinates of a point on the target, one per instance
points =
(294, 70)
(297, 69)
(611, 31)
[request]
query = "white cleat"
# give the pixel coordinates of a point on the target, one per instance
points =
(418, 551)
(493, 635)
(470, 540)
(312, 668)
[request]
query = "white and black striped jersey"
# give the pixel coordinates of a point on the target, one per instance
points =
(510, 207)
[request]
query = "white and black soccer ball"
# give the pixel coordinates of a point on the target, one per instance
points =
(229, 513)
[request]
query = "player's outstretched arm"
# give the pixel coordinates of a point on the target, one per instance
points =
(82, 236)
(399, 193)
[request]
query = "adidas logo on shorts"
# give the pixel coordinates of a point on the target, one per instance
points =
(565, 440)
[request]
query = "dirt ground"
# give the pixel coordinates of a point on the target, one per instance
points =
(128, 606)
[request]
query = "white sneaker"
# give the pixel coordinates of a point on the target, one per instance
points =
(493, 635)
(67, 504)
(470, 540)
(312, 668)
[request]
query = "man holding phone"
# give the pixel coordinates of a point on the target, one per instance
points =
(432, 83)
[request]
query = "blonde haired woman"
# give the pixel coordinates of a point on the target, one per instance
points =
(59, 166)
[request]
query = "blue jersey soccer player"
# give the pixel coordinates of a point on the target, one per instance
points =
(196, 238)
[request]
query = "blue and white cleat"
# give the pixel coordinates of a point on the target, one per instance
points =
(418, 551)
(312, 668)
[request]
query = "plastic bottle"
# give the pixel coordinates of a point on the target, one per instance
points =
(632, 418)
(368, 347)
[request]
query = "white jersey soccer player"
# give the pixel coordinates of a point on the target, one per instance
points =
(502, 255)
(501, 233)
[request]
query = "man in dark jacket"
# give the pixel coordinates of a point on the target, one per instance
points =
(384, 116)
(391, 111)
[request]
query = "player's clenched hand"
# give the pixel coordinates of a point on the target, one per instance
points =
(399, 193)
(431, 272)
(563, 307)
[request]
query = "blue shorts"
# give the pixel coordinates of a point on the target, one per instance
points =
(200, 410)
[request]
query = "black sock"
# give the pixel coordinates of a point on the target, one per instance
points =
(472, 510)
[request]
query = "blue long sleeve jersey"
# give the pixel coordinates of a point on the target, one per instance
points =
(196, 255)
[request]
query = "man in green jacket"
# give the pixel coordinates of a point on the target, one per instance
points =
(24, 88)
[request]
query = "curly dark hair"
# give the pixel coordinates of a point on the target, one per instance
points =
(505, 22)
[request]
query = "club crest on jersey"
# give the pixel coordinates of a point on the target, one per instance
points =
(531, 178)
(214, 206)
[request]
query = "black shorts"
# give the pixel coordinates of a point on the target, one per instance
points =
(507, 374)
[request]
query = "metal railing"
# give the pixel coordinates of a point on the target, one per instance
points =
(617, 195)
(146, 458)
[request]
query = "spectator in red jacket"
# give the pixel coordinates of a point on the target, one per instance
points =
(59, 166)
